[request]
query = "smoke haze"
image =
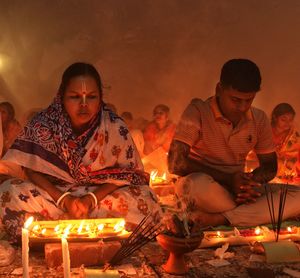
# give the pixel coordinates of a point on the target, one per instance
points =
(150, 51)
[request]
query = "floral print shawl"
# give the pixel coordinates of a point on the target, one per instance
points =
(104, 153)
(288, 154)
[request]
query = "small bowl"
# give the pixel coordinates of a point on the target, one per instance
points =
(177, 247)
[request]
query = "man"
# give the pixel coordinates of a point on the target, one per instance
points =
(209, 149)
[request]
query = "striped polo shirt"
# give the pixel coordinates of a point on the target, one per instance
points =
(215, 142)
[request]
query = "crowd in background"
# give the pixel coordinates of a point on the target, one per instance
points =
(154, 136)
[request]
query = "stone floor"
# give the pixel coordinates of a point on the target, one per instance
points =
(147, 263)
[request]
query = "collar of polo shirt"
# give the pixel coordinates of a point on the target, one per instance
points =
(218, 114)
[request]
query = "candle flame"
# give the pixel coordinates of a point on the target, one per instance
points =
(153, 174)
(119, 226)
(67, 230)
(80, 227)
(87, 228)
(28, 222)
(289, 229)
(43, 231)
(164, 176)
(100, 227)
(35, 228)
(218, 234)
(56, 229)
(257, 231)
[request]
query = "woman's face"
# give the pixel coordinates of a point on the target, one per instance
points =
(160, 116)
(4, 115)
(285, 122)
(82, 101)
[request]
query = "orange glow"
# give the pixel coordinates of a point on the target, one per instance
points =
(87, 228)
(257, 231)
(28, 222)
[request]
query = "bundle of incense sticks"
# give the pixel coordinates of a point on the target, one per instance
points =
(146, 231)
(276, 222)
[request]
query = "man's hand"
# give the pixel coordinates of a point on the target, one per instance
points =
(244, 188)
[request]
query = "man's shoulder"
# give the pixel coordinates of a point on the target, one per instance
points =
(258, 114)
(199, 104)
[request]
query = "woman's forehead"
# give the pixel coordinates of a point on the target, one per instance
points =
(83, 84)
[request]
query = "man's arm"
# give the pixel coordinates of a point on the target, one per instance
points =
(181, 164)
(267, 168)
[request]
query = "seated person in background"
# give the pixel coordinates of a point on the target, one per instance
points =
(160, 131)
(287, 143)
(10, 126)
(80, 161)
(135, 133)
(286, 139)
(209, 149)
(158, 135)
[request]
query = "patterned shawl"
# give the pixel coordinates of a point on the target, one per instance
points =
(103, 153)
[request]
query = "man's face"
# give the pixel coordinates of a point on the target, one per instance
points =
(233, 103)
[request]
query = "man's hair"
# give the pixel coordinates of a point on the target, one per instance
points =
(281, 109)
(241, 74)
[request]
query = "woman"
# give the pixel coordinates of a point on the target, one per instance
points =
(10, 126)
(80, 160)
(160, 131)
(287, 141)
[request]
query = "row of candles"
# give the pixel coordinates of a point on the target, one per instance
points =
(259, 233)
(92, 229)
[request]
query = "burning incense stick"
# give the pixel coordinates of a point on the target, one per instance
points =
(276, 222)
(142, 234)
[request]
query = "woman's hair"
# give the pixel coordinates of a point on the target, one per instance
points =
(281, 109)
(78, 69)
(163, 107)
(9, 108)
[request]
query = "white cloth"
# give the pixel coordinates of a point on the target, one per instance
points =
(199, 191)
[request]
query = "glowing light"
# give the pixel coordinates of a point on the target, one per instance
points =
(119, 226)
(80, 227)
(28, 222)
(56, 229)
(289, 229)
(35, 228)
(100, 227)
(257, 231)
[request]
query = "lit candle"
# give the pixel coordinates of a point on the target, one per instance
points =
(257, 231)
(66, 256)
(25, 247)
